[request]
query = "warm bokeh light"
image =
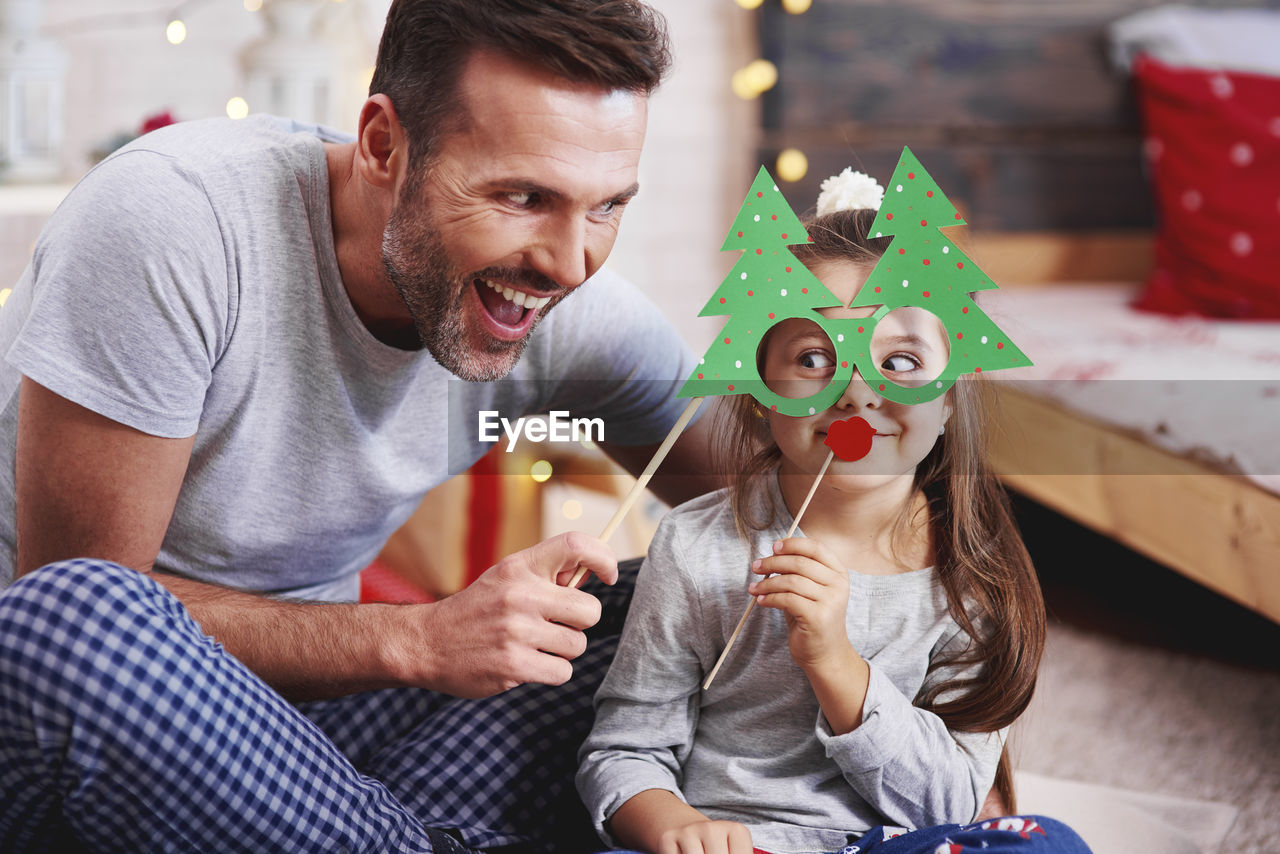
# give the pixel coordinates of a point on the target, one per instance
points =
(797, 7)
(252, 5)
(237, 108)
(750, 4)
(572, 509)
(4, 296)
(792, 164)
(176, 32)
(758, 76)
(540, 471)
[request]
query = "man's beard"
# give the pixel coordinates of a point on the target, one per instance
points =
(434, 291)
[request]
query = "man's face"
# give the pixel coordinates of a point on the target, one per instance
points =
(516, 209)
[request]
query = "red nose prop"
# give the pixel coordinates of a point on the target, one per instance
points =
(850, 439)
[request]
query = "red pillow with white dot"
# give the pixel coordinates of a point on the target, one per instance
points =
(1212, 142)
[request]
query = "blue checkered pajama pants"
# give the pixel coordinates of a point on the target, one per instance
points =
(123, 727)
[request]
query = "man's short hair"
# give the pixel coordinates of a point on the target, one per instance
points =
(611, 44)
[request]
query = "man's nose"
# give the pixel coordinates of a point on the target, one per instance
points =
(561, 251)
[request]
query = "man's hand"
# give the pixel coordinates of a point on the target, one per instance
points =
(811, 587)
(516, 623)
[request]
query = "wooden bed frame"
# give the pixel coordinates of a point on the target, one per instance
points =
(1220, 530)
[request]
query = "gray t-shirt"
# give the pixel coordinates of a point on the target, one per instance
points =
(755, 748)
(189, 285)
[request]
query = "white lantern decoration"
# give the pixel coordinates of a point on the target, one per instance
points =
(32, 73)
(289, 72)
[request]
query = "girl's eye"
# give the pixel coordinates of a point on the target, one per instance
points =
(900, 363)
(816, 359)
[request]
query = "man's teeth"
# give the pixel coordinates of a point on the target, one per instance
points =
(520, 298)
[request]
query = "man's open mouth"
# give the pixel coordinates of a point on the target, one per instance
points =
(509, 308)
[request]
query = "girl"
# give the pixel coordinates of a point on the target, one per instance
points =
(865, 708)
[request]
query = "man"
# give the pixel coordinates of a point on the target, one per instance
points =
(232, 371)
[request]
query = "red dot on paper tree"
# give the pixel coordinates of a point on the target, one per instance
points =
(775, 216)
(751, 293)
(924, 222)
(926, 262)
(929, 194)
(726, 340)
(959, 265)
(1000, 345)
(911, 175)
(722, 300)
(957, 215)
(902, 252)
(959, 335)
(926, 293)
(784, 235)
(700, 376)
(844, 364)
(804, 290)
(882, 386)
(788, 269)
(877, 289)
(860, 329)
(977, 370)
(964, 310)
(739, 233)
(758, 196)
(731, 388)
(888, 216)
(759, 251)
(771, 315)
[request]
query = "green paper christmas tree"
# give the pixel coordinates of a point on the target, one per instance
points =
(767, 285)
(922, 267)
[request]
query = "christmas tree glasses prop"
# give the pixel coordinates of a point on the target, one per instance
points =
(922, 268)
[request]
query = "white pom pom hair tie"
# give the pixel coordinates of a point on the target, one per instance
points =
(849, 191)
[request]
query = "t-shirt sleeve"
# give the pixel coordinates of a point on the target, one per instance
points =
(615, 356)
(906, 763)
(646, 708)
(131, 300)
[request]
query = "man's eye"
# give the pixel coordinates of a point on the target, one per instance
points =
(816, 359)
(606, 208)
(900, 362)
(521, 198)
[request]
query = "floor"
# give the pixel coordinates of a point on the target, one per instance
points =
(1152, 683)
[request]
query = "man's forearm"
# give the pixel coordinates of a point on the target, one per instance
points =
(303, 650)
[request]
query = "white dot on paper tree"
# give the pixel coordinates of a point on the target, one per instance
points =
(783, 292)
(737, 363)
(1242, 154)
(1241, 243)
(899, 188)
(879, 234)
(939, 383)
(904, 283)
(946, 250)
(812, 410)
(840, 337)
(775, 188)
(757, 217)
(984, 339)
(744, 275)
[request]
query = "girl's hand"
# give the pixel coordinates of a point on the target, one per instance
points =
(707, 837)
(812, 588)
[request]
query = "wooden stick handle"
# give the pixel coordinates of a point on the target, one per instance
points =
(795, 523)
(638, 487)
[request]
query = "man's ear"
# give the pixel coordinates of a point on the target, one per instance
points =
(382, 148)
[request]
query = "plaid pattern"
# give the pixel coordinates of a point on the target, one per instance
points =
(124, 727)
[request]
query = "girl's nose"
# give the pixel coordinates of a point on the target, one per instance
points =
(858, 394)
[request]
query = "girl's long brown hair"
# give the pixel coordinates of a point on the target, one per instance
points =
(991, 586)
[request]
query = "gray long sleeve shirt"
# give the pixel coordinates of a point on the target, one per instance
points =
(755, 748)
